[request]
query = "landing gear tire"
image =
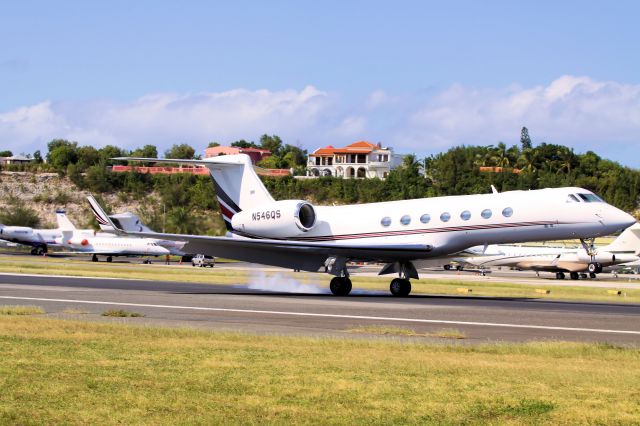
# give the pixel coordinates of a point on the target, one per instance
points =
(447, 267)
(109, 259)
(559, 275)
(340, 286)
(400, 287)
(574, 275)
(592, 275)
(595, 268)
(583, 276)
(94, 258)
(33, 251)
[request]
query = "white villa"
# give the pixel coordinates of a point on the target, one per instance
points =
(358, 160)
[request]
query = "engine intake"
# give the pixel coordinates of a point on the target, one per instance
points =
(282, 219)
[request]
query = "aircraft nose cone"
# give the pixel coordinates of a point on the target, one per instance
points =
(619, 219)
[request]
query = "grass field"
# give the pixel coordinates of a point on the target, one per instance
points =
(67, 372)
(70, 267)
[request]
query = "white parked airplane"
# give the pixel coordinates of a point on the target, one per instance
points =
(105, 244)
(131, 222)
(295, 234)
(38, 239)
(624, 249)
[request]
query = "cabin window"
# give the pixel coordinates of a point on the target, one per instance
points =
(405, 220)
(507, 212)
(425, 218)
(465, 215)
(445, 217)
(572, 199)
(590, 198)
(486, 213)
(386, 221)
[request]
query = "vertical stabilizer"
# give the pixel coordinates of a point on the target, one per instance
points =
(64, 224)
(628, 241)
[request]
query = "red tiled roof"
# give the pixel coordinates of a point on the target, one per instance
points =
(360, 147)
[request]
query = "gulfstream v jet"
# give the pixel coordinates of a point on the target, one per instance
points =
(400, 234)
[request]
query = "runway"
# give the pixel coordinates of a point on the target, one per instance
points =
(238, 308)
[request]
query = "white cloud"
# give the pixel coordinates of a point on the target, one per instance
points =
(577, 111)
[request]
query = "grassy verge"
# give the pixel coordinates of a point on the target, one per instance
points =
(66, 267)
(21, 310)
(54, 371)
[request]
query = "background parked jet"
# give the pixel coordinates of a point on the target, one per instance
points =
(131, 222)
(38, 239)
(623, 249)
(298, 235)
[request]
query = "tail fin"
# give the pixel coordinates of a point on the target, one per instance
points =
(64, 224)
(237, 185)
(628, 241)
(101, 216)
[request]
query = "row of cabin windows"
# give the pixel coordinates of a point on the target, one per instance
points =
(446, 216)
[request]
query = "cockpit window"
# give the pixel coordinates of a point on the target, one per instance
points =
(590, 198)
(572, 199)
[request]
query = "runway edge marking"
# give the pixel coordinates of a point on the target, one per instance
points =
(318, 315)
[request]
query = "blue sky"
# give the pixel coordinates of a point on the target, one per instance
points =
(419, 76)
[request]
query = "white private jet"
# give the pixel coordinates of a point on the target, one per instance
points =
(105, 244)
(402, 234)
(575, 261)
(128, 221)
(38, 239)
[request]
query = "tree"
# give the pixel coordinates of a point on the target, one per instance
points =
(271, 143)
(6, 153)
(62, 153)
(87, 156)
(525, 140)
(147, 151)
(244, 144)
(108, 152)
(37, 156)
(182, 151)
(213, 144)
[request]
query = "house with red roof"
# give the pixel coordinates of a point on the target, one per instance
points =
(256, 154)
(359, 160)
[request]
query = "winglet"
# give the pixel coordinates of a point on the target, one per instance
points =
(494, 190)
(101, 216)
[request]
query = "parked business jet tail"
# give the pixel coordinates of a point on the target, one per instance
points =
(627, 242)
(64, 224)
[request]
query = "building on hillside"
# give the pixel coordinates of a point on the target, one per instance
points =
(256, 154)
(15, 159)
(358, 160)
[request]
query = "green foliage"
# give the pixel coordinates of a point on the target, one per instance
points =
(182, 151)
(18, 214)
(147, 151)
(244, 144)
(213, 144)
(6, 153)
(62, 153)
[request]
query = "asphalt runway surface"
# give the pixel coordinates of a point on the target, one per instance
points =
(239, 308)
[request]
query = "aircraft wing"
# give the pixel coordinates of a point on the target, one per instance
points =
(307, 256)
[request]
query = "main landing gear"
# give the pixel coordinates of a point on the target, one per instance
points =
(39, 250)
(341, 284)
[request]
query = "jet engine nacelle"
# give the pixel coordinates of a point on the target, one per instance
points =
(601, 257)
(16, 231)
(282, 219)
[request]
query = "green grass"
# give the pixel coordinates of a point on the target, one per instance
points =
(121, 313)
(446, 333)
(21, 310)
(70, 267)
(70, 372)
